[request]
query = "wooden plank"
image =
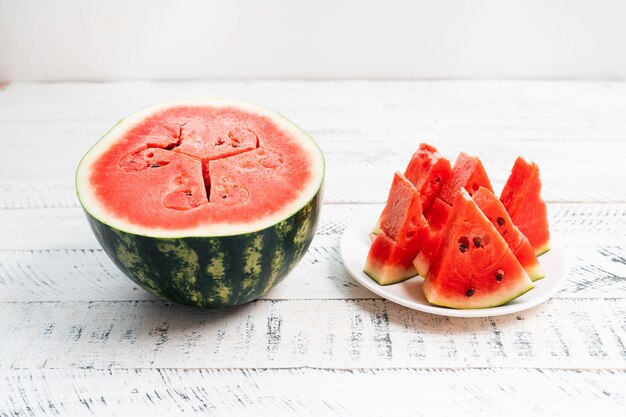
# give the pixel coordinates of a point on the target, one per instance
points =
(67, 228)
(89, 275)
(464, 110)
(562, 333)
(397, 392)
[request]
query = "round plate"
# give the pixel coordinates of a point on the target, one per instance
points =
(355, 244)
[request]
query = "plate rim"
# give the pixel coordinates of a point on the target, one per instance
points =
(369, 284)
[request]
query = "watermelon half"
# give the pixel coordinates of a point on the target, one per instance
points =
(521, 196)
(203, 202)
(473, 267)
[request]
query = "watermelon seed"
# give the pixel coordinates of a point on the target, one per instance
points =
(155, 165)
(438, 179)
(499, 275)
(500, 221)
(188, 193)
(463, 244)
(469, 292)
(477, 242)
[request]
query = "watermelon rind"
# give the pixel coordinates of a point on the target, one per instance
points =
(215, 265)
(496, 302)
(543, 248)
(212, 272)
(388, 275)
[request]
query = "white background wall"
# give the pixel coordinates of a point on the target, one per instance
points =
(166, 39)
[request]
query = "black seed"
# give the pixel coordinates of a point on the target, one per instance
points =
(499, 275)
(469, 292)
(500, 221)
(477, 242)
(438, 179)
(188, 193)
(463, 244)
(155, 165)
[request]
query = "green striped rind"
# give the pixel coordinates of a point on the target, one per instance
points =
(212, 272)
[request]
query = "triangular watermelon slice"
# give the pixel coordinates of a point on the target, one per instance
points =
(437, 218)
(387, 262)
(522, 198)
(473, 266)
(428, 171)
(519, 244)
(402, 222)
(468, 173)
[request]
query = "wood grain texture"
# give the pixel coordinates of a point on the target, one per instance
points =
(319, 392)
(366, 333)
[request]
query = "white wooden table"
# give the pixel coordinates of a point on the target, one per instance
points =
(78, 338)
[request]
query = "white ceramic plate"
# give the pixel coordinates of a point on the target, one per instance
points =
(355, 244)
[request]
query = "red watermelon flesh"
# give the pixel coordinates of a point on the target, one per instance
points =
(192, 166)
(437, 216)
(402, 218)
(388, 262)
(473, 266)
(428, 170)
(468, 173)
(522, 198)
(519, 244)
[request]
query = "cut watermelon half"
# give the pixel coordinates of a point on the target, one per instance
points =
(519, 244)
(437, 217)
(387, 262)
(203, 202)
(473, 267)
(428, 171)
(468, 173)
(522, 198)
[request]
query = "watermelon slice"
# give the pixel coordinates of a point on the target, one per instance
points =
(402, 222)
(473, 266)
(437, 217)
(468, 173)
(428, 171)
(402, 218)
(387, 262)
(522, 198)
(204, 202)
(519, 244)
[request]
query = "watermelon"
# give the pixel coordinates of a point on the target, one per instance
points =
(403, 223)
(428, 171)
(203, 202)
(468, 173)
(522, 198)
(473, 267)
(387, 262)
(519, 244)
(437, 217)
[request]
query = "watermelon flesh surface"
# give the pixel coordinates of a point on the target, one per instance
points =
(195, 166)
(387, 262)
(468, 173)
(491, 206)
(473, 267)
(522, 199)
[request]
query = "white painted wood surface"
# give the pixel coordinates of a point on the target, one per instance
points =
(78, 338)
